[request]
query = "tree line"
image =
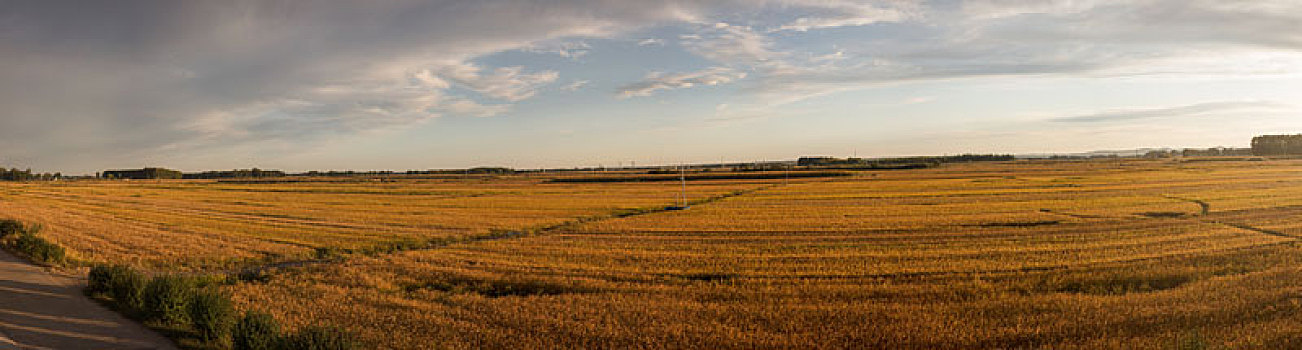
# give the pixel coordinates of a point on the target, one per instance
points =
(1274, 145)
(27, 175)
(237, 173)
(142, 174)
(883, 162)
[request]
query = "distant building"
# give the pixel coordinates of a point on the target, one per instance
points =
(142, 174)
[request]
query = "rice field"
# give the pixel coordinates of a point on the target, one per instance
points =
(1026, 254)
(201, 225)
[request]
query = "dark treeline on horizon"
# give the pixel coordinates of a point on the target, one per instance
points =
(141, 174)
(15, 174)
(1275, 145)
(231, 174)
(1265, 145)
(901, 161)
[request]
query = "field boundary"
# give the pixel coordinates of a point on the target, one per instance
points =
(925, 274)
(1206, 207)
(259, 270)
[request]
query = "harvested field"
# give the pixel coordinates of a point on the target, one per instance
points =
(1028, 254)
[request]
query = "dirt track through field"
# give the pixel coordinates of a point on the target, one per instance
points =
(39, 310)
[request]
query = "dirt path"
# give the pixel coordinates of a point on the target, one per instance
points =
(39, 310)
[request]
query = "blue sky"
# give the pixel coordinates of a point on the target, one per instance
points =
(406, 84)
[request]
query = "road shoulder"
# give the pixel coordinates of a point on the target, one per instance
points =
(41, 310)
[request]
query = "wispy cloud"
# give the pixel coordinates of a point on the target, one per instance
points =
(1194, 110)
(731, 44)
(576, 85)
(651, 42)
(567, 49)
(834, 14)
(504, 83)
(660, 81)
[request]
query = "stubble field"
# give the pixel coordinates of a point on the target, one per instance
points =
(1052, 254)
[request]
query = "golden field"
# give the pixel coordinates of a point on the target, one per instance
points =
(1026, 254)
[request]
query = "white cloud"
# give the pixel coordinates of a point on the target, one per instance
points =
(504, 83)
(1223, 108)
(651, 42)
(1089, 38)
(996, 9)
(567, 49)
(659, 81)
(834, 14)
(731, 44)
(575, 86)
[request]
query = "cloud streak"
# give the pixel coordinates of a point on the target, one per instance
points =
(660, 81)
(1241, 108)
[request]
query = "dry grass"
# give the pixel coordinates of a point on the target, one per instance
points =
(1099, 254)
(201, 224)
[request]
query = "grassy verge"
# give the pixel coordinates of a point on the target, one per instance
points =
(197, 314)
(26, 242)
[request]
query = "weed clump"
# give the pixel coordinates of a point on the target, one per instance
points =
(99, 279)
(38, 249)
(319, 338)
(194, 305)
(127, 287)
(167, 298)
(255, 331)
(1118, 284)
(498, 288)
(10, 227)
(1163, 214)
(212, 314)
(24, 240)
(103, 278)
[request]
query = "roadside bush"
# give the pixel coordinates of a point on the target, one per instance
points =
(167, 298)
(38, 249)
(255, 331)
(127, 287)
(10, 227)
(319, 338)
(99, 280)
(212, 314)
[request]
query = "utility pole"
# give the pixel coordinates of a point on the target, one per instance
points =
(682, 177)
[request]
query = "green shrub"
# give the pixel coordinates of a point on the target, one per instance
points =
(319, 338)
(11, 227)
(99, 280)
(255, 331)
(127, 287)
(212, 314)
(38, 249)
(253, 276)
(167, 298)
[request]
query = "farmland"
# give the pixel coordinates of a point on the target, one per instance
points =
(1054, 254)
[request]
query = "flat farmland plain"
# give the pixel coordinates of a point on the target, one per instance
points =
(206, 225)
(1026, 254)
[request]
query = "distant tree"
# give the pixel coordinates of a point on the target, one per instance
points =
(1272, 145)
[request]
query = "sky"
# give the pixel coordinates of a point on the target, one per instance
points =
(405, 84)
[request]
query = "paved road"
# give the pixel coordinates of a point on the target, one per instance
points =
(39, 310)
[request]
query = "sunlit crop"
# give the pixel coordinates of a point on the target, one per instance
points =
(1081, 254)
